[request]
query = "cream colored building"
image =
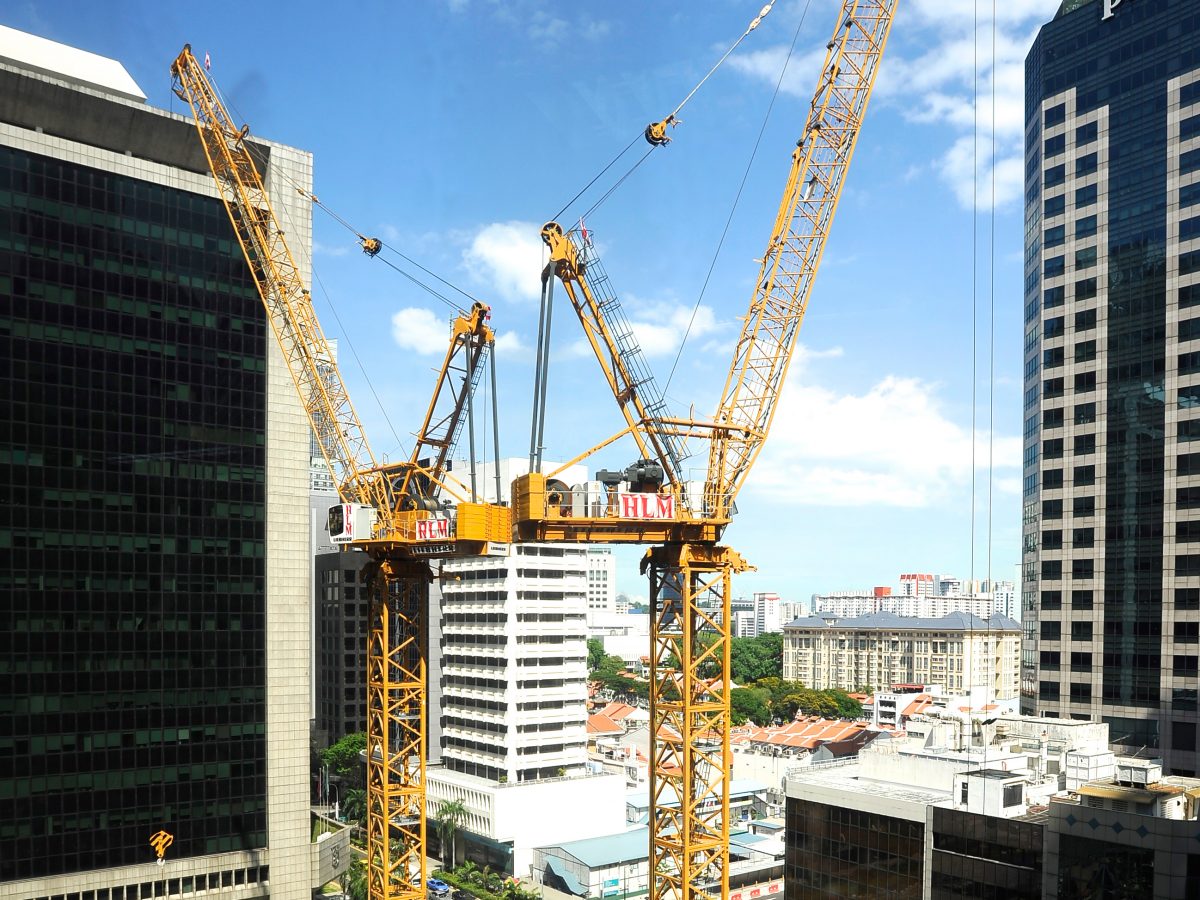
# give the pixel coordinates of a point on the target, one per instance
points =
(959, 651)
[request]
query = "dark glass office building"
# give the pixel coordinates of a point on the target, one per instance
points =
(135, 481)
(1111, 561)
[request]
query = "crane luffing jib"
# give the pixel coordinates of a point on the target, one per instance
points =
(819, 163)
(289, 306)
(401, 498)
(471, 340)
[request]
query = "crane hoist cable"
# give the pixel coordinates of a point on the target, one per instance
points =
(656, 132)
(738, 197)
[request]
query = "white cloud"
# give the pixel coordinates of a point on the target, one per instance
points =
(421, 331)
(507, 256)
(510, 345)
(329, 249)
(939, 86)
(891, 446)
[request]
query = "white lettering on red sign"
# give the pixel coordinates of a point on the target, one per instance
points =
(647, 506)
(433, 529)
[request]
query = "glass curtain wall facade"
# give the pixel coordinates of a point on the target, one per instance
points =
(132, 363)
(1111, 563)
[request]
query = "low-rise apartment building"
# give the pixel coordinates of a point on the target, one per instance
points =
(959, 651)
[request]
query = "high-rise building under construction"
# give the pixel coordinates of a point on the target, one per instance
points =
(154, 538)
(1111, 561)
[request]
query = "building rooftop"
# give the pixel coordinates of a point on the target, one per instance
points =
(609, 850)
(886, 621)
(36, 54)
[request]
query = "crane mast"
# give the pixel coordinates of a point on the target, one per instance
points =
(392, 511)
(690, 573)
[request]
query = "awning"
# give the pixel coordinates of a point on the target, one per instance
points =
(564, 874)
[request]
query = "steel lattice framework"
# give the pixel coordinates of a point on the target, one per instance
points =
(690, 574)
(402, 495)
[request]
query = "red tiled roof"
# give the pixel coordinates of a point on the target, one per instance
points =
(598, 723)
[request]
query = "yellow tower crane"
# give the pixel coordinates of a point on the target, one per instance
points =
(651, 502)
(392, 511)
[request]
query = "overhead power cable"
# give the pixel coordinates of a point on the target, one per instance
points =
(656, 132)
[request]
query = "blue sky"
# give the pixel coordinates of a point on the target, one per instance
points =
(454, 128)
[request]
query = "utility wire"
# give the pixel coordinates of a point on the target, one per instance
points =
(670, 120)
(737, 198)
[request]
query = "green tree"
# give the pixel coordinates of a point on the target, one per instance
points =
(354, 807)
(449, 817)
(847, 706)
(752, 659)
(750, 704)
(343, 757)
(595, 652)
(355, 880)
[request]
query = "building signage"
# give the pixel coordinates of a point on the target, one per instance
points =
(433, 529)
(647, 506)
(762, 890)
(1109, 6)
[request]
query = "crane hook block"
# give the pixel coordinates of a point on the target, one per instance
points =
(371, 246)
(656, 132)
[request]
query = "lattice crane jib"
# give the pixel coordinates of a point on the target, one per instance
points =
(288, 302)
(690, 574)
(399, 574)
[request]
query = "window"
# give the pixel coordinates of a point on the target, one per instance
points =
(1085, 258)
(1053, 357)
(1185, 666)
(1052, 418)
(1083, 568)
(1085, 227)
(1052, 479)
(1054, 266)
(1189, 228)
(1052, 509)
(1189, 128)
(1048, 690)
(965, 791)
(1085, 413)
(1085, 165)
(1051, 571)
(1084, 506)
(1054, 146)
(1187, 632)
(1188, 464)
(1189, 294)
(1049, 659)
(1085, 351)
(1054, 206)
(1085, 289)
(1183, 737)
(1052, 388)
(1055, 175)
(1085, 382)
(1084, 475)
(1081, 693)
(1085, 134)
(1081, 662)
(1189, 162)
(1081, 631)
(1055, 237)
(1189, 329)
(1052, 540)
(1055, 115)
(1085, 196)
(1054, 327)
(1052, 449)
(1081, 599)
(1053, 297)
(1189, 363)
(1083, 537)
(1189, 195)
(1084, 444)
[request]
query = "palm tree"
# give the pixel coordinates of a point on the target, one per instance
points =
(450, 815)
(356, 881)
(354, 806)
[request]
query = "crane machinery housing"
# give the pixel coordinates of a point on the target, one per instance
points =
(651, 501)
(395, 512)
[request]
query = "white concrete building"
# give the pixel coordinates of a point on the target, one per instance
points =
(601, 580)
(768, 613)
(958, 651)
(626, 635)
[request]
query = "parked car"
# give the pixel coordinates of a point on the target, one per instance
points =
(462, 895)
(435, 887)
